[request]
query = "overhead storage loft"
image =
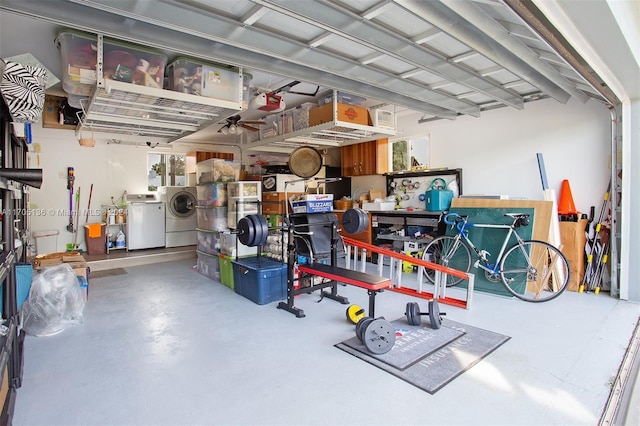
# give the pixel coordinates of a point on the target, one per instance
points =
(332, 134)
(127, 111)
(132, 112)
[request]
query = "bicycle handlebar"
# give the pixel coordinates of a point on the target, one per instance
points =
(447, 219)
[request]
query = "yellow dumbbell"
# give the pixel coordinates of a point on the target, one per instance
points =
(355, 313)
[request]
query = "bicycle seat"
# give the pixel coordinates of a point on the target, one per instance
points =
(519, 219)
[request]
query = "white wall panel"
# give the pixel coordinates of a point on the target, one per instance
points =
(497, 151)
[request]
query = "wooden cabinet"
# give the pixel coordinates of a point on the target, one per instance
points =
(367, 158)
(274, 202)
(203, 156)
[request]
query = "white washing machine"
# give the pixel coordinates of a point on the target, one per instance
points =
(146, 221)
(181, 220)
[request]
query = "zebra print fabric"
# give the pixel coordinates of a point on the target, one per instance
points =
(22, 88)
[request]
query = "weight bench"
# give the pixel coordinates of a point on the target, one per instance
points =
(373, 283)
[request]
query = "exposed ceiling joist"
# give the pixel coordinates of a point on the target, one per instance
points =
(441, 58)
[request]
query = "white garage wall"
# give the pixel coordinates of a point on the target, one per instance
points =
(497, 151)
(112, 169)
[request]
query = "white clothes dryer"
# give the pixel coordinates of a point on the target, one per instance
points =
(181, 219)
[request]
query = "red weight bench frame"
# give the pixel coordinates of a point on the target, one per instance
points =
(374, 284)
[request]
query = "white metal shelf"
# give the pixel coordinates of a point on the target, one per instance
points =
(141, 113)
(333, 133)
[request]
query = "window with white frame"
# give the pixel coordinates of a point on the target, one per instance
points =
(408, 153)
(166, 170)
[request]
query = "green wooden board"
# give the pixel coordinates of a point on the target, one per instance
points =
(490, 240)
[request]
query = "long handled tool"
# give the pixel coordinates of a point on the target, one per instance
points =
(595, 247)
(77, 221)
(602, 264)
(86, 220)
(70, 181)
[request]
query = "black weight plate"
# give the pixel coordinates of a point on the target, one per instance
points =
(361, 325)
(434, 314)
(355, 221)
(256, 230)
(246, 230)
(364, 222)
(262, 230)
(379, 336)
(355, 313)
(413, 313)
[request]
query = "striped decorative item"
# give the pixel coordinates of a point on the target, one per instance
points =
(22, 88)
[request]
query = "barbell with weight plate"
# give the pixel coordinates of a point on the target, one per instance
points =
(414, 315)
(378, 335)
(253, 229)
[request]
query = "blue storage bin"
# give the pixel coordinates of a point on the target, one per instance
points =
(24, 275)
(260, 280)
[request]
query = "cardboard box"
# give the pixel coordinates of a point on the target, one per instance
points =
(50, 113)
(312, 206)
(376, 193)
(573, 240)
(74, 259)
(348, 113)
(312, 203)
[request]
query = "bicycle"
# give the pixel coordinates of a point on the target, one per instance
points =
(531, 270)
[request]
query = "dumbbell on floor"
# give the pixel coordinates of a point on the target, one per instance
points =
(378, 335)
(355, 313)
(414, 315)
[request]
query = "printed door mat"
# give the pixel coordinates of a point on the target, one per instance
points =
(428, 358)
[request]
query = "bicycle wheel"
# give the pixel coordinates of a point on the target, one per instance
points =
(534, 271)
(447, 251)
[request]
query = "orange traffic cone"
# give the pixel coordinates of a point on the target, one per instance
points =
(565, 205)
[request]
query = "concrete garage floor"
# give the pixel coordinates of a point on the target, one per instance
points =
(164, 345)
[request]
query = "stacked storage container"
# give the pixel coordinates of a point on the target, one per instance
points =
(244, 200)
(244, 197)
(211, 217)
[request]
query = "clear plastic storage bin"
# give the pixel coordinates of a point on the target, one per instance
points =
(344, 98)
(244, 189)
(230, 246)
(208, 265)
(123, 61)
(209, 241)
(301, 116)
(212, 194)
(246, 90)
(205, 79)
(211, 218)
(217, 170)
(240, 207)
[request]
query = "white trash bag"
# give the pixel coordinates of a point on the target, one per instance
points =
(55, 299)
